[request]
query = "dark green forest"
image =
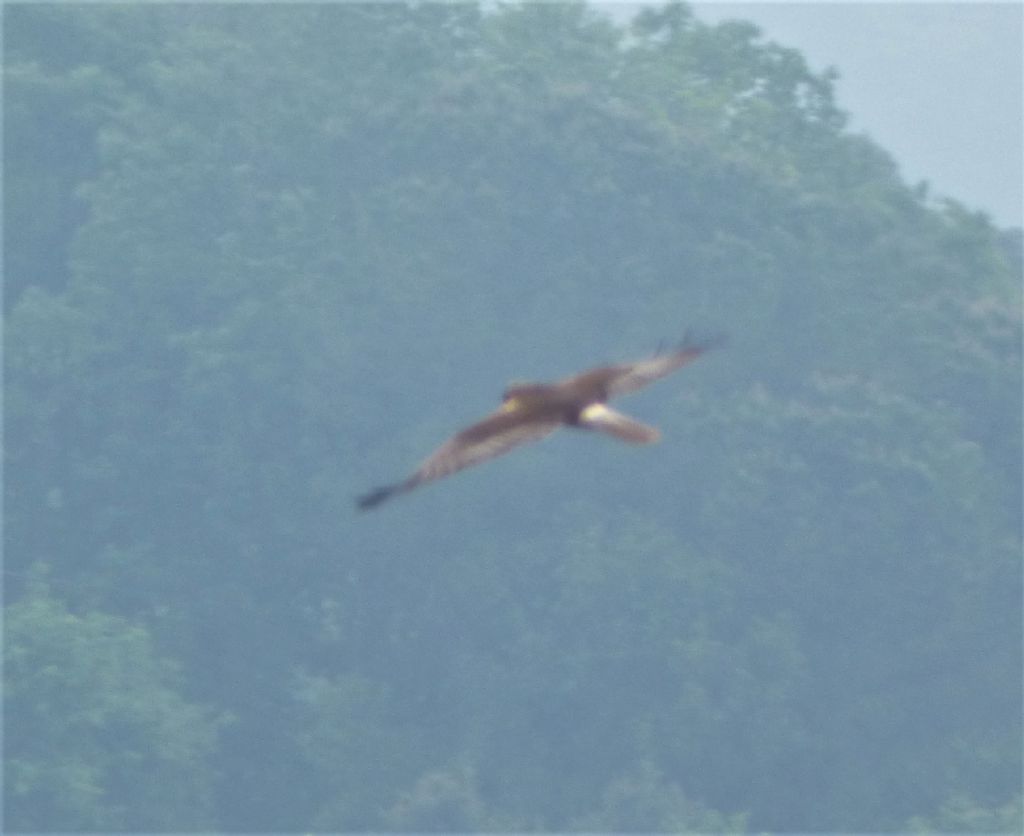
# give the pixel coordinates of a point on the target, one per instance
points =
(262, 258)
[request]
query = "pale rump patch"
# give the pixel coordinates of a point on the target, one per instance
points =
(604, 419)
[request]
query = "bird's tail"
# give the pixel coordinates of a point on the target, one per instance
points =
(600, 417)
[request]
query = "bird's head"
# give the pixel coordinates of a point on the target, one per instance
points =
(519, 391)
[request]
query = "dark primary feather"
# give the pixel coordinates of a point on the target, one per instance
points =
(377, 496)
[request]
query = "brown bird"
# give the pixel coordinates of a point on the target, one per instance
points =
(531, 411)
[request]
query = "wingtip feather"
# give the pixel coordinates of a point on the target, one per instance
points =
(376, 497)
(690, 342)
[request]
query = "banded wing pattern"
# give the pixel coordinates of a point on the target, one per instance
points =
(630, 377)
(496, 434)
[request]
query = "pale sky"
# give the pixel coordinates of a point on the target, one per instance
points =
(938, 85)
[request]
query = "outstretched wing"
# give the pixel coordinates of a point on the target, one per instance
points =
(533, 415)
(629, 377)
(496, 434)
(599, 417)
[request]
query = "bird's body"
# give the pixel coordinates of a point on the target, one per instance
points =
(531, 411)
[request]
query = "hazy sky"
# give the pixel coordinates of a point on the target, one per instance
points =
(938, 85)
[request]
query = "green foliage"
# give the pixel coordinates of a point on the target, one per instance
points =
(260, 258)
(353, 740)
(962, 815)
(643, 802)
(97, 735)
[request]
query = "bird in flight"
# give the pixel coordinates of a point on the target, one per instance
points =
(531, 411)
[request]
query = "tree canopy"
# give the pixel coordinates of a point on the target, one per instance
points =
(259, 259)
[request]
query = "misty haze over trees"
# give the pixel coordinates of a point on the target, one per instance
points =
(261, 258)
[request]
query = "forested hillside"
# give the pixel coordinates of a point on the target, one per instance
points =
(261, 258)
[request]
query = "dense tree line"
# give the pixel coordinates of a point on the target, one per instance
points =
(259, 259)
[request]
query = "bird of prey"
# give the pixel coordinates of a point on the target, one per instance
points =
(531, 411)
